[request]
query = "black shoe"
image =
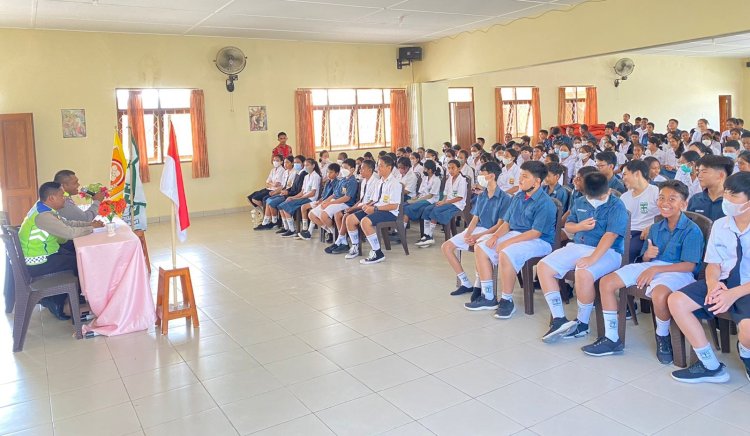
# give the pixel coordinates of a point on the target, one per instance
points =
(82, 299)
(628, 315)
(481, 303)
(329, 237)
(55, 308)
(664, 349)
(505, 309)
(461, 290)
(281, 230)
(264, 227)
(697, 373)
(340, 249)
(288, 234)
(745, 360)
(558, 328)
(376, 256)
(580, 331)
(329, 249)
(304, 235)
(537, 285)
(604, 346)
(475, 293)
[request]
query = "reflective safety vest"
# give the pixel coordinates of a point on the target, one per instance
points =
(37, 244)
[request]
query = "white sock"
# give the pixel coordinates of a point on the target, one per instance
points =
(341, 240)
(584, 311)
(488, 291)
(611, 325)
(477, 281)
(554, 301)
(304, 224)
(290, 224)
(707, 357)
(432, 228)
(354, 236)
(274, 219)
(329, 229)
(744, 352)
(508, 297)
(266, 220)
(464, 280)
(662, 327)
(373, 240)
(428, 229)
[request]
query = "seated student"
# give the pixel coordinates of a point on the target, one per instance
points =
(422, 153)
(598, 223)
(454, 200)
(367, 192)
(341, 158)
(712, 173)
(687, 172)
(473, 159)
(585, 158)
(324, 161)
(606, 161)
(672, 154)
(429, 193)
(465, 169)
(654, 170)
(416, 164)
(384, 209)
(568, 159)
(273, 181)
(624, 146)
(309, 192)
(743, 161)
(730, 150)
(329, 187)
(635, 139)
(640, 201)
(708, 141)
(272, 204)
(527, 230)
(611, 147)
(701, 149)
(406, 177)
(275, 197)
(585, 134)
(745, 140)
(508, 180)
(491, 204)
(538, 153)
(670, 258)
(69, 182)
(344, 196)
(524, 155)
(359, 161)
(578, 184)
(654, 149)
(449, 155)
(638, 152)
(47, 241)
(724, 289)
(552, 185)
(401, 151)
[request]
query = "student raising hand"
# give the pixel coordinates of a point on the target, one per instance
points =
(651, 252)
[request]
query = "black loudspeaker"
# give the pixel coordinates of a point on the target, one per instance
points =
(410, 53)
(747, 64)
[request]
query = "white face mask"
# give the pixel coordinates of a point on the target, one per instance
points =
(339, 161)
(584, 156)
(482, 180)
(733, 209)
(507, 161)
(597, 203)
(344, 172)
(706, 142)
(276, 164)
(474, 153)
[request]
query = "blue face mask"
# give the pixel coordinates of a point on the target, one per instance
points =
(564, 154)
(730, 155)
(686, 169)
(298, 167)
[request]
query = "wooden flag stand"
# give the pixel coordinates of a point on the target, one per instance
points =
(186, 309)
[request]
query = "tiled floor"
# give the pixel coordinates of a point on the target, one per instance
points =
(296, 342)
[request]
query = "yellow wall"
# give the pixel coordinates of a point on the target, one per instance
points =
(589, 29)
(45, 71)
(661, 87)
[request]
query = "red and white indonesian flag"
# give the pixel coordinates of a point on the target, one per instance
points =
(171, 185)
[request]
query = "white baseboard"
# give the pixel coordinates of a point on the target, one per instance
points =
(159, 219)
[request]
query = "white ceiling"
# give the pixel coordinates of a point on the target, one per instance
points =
(374, 21)
(736, 46)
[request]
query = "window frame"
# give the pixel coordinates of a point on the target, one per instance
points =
(578, 104)
(160, 130)
(514, 103)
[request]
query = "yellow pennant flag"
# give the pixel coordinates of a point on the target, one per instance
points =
(117, 170)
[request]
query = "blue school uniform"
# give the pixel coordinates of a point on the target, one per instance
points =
(684, 244)
(347, 186)
(561, 194)
(616, 184)
(537, 212)
(611, 217)
(330, 188)
(490, 209)
(701, 203)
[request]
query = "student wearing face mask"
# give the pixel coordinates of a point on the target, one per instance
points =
(323, 161)
(508, 180)
(341, 158)
(730, 150)
(527, 230)
(275, 197)
(669, 259)
(454, 200)
(429, 193)
(273, 181)
(309, 192)
(724, 290)
(524, 155)
(443, 157)
(473, 159)
(344, 196)
(367, 195)
(568, 160)
(272, 204)
(326, 192)
(598, 223)
(406, 177)
(585, 158)
(687, 172)
(466, 169)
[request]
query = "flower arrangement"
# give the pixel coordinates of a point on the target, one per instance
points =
(109, 208)
(89, 190)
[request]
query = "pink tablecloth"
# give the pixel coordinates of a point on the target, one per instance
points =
(115, 281)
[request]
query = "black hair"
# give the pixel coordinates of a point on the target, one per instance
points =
(447, 144)
(675, 121)
(738, 183)
(607, 156)
(62, 175)
(595, 184)
(344, 155)
(702, 147)
(536, 168)
(367, 155)
(553, 157)
(420, 148)
(387, 160)
(479, 138)
(477, 145)
(745, 134)
(456, 147)
(732, 143)
(544, 131)
(676, 186)
(691, 156)
(316, 168)
(513, 153)
(744, 155)
(336, 168)
(404, 161)
(720, 163)
(430, 165)
(451, 153)
(650, 160)
(454, 162)
(584, 171)
(416, 156)
(281, 133)
(610, 125)
(527, 148)
(382, 153)
(491, 167)
(369, 163)
(638, 166)
(290, 158)
(280, 156)
(463, 153)
(47, 189)
(555, 168)
(584, 127)
(351, 162)
(408, 149)
(555, 131)
(401, 150)
(392, 156)
(431, 151)
(653, 139)
(320, 154)
(300, 158)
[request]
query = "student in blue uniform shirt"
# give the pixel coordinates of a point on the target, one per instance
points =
(454, 200)
(598, 223)
(528, 230)
(577, 184)
(606, 162)
(712, 172)
(670, 257)
(344, 196)
(724, 290)
(491, 204)
(552, 186)
(330, 187)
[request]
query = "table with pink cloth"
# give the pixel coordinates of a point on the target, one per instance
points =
(114, 278)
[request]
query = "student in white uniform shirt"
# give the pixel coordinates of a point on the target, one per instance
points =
(367, 192)
(309, 193)
(568, 159)
(406, 177)
(585, 158)
(640, 200)
(524, 155)
(273, 181)
(454, 200)
(730, 124)
(384, 209)
(509, 178)
(654, 170)
(654, 150)
(473, 159)
(429, 193)
(672, 153)
(702, 128)
(466, 169)
(687, 172)
(416, 165)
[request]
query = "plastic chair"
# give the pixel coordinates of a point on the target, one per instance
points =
(9, 291)
(30, 290)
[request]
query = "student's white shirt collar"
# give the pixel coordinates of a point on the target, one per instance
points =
(731, 224)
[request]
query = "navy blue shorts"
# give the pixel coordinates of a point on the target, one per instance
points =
(697, 292)
(360, 214)
(381, 217)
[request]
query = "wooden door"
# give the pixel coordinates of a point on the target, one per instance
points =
(725, 111)
(18, 183)
(463, 123)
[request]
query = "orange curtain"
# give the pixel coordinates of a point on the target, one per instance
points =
(138, 130)
(536, 112)
(592, 107)
(198, 126)
(304, 121)
(499, 119)
(399, 119)
(561, 106)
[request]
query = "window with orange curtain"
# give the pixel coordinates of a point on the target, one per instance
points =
(304, 120)
(518, 113)
(573, 106)
(399, 119)
(198, 127)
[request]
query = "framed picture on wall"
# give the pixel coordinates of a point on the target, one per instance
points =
(258, 118)
(73, 123)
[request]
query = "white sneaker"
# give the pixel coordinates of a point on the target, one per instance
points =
(353, 252)
(421, 241)
(426, 243)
